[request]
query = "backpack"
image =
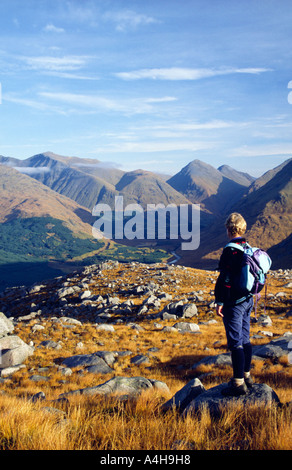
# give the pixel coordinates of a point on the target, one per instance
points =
(253, 271)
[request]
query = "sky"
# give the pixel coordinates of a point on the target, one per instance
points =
(148, 84)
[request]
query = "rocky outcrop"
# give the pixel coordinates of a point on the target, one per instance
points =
(215, 401)
(193, 397)
(125, 387)
(13, 350)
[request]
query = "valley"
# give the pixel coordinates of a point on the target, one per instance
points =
(66, 189)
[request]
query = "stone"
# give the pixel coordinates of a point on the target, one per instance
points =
(85, 295)
(63, 292)
(89, 360)
(10, 370)
(104, 327)
(187, 327)
(183, 397)
(140, 359)
(274, 349)
(13, 351)
(131, 386)
(264, 320)
(189, 311)
(214, 401)
(6, 325)
(218, 360)
(49, 344)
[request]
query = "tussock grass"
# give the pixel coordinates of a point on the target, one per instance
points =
(99, 423)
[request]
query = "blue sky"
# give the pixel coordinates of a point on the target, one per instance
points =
(148, 84)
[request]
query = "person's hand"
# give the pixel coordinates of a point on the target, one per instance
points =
(219, 310)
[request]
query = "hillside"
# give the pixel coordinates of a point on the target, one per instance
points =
(89, 182)
(268, 212)
(143, 187)
(215, 189)
(98, 354)
(22, 197)
(43, 233)
(265, 202)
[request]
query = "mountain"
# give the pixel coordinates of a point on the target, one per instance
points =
(44, 234)
(244, 179)
(215, 189)
(143, 187)
(39, 230)
(22, 197)
(44, 184)
(89, 182)
(267, 208)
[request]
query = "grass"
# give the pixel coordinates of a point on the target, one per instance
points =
(99, 423)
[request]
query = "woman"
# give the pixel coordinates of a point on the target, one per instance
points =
(234, 308)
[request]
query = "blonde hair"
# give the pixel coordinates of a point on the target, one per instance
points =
(235, 224)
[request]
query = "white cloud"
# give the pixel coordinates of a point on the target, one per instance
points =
(31, 170)
(155, 146)
(34, 104)
(127, 19)
(276, 149)
(50, 28)
(95, 102)
(177, 73)
(55, 64)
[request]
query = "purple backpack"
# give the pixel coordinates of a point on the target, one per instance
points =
(254, 268)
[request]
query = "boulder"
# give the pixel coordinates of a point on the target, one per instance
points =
(98, 362)
(215, 402)
(6, 325)
(276, 348)
(183, 397)
(140, 359)
(187, 327)
(189, 311)
(218, 360)
(129, 386)
(13, 351)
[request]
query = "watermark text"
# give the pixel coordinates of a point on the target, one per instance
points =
(156, 222)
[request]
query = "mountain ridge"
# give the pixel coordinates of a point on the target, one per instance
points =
(264, 202)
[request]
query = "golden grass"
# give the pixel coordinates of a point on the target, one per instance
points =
(99, 423)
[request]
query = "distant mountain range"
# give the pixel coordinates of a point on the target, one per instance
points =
(67, 188)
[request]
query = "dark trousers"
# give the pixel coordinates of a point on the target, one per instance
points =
(237, 326)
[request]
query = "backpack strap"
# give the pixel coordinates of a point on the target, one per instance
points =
(235, 245)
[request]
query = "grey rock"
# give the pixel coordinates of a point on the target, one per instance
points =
(264, 320)
(187, 327)
(189, 311)
(274, 349)
(212, 399)
(218, 360)
(63, 292)
(38, 378)
(38, 396)
(6, 325)
(140, 359)
(71, 321)
(131, 386)
(104, 327)
(85, 295)
(183, 397)
(13, 351)
(50, 344)
(169, 329)
(88, 360)
(10, 370)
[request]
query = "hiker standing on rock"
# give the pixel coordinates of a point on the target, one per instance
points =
(234, 308)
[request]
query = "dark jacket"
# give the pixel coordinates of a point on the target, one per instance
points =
(226, 291)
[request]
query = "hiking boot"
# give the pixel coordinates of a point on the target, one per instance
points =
(248, 382)
(233, 390)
